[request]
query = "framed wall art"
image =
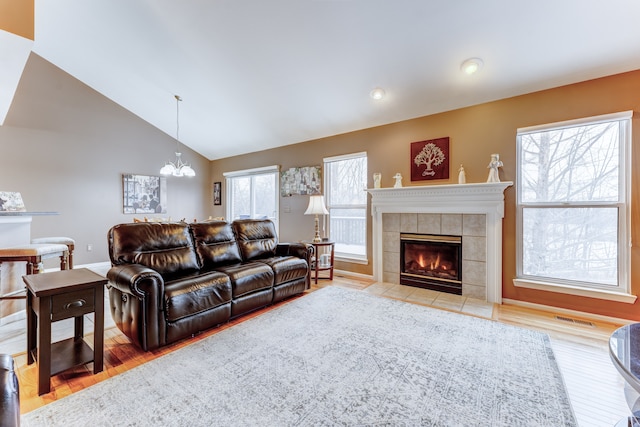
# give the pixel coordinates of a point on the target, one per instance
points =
(300, 181)
(144, 194)
(430, 159)
(217, 193)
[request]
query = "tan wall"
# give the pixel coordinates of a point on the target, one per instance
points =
(17, 17)
(474, 133)
(65, 147)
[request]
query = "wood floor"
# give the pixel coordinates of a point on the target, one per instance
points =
(594, 386)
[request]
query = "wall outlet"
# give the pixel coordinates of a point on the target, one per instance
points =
(89, 247)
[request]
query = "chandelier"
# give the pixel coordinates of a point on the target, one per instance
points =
(178, 168)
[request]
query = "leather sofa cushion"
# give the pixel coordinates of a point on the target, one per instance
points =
(195, 294)
(248, 277)
(164, 247)
(256, 238)
(286, 268)
(215, 244)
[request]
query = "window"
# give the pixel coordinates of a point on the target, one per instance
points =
(253, 193)
(573, 205)
(346, 200)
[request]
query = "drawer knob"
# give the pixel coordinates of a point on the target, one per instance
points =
(75, 304)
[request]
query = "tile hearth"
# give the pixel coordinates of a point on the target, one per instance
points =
(460, 303)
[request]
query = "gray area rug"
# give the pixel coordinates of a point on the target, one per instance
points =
(336, 357)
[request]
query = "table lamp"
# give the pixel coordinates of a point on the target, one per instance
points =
(316, 207)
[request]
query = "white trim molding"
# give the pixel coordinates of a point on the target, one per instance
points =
(480, 198)
(575, 290)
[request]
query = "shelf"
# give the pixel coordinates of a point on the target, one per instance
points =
(69, 353)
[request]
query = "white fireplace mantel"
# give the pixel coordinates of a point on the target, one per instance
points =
(481, 198)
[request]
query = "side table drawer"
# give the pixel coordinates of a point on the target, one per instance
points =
(72, 304)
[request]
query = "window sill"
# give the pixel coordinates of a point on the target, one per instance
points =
(575, 290)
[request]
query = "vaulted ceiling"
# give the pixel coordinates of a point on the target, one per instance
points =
(256, 74)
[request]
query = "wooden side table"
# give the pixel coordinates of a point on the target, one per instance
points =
(62, 295)
(327, 249)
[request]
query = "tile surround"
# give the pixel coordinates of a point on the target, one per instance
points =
(474, 251)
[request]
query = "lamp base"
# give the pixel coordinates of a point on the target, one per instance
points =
(317, 238)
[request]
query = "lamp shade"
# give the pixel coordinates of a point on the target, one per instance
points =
(316, 206)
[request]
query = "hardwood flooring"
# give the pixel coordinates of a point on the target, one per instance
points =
(594, 386)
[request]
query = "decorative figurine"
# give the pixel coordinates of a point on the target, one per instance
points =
(493, 168)
(376, 179)
(462, 178)
(398, 179)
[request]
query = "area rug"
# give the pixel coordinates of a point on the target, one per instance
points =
(336, 357)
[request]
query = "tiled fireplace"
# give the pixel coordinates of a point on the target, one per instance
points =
(471, 212)
(470, 227)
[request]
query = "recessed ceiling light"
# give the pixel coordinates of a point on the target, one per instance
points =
(471, 65)
(377, 93)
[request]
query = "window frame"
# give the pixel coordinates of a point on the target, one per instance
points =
(620, 292)
(345, 256)
(252, 173)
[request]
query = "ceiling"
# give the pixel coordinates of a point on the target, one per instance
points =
(257, 74)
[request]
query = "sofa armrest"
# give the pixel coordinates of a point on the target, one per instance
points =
(136, 299)
(136, 280)
(300, 250)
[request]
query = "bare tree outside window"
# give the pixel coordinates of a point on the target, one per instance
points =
(346, 180)
(571, 194)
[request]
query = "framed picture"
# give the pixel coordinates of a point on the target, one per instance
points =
(300, 181)
(144, 194)
(217, 193)
(430, 159)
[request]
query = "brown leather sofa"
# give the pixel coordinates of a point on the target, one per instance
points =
(10, 399)
(169, 281)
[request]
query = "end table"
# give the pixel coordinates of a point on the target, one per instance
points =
(62, 295)
(324, 250)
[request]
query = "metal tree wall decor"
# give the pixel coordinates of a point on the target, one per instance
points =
(430, 159)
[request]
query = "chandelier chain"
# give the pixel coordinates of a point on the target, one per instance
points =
(179, 167)
(178, 99)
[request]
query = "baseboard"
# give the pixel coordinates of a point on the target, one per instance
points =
(352, 274)
(13, 317)
(566, 311)
(105, 265)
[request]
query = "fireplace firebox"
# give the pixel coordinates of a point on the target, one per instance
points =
(431, 262)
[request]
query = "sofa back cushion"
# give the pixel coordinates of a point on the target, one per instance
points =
(256, 238)
(215, 244)
(165, 247)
